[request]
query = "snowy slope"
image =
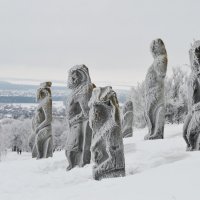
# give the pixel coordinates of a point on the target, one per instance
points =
(156, 170)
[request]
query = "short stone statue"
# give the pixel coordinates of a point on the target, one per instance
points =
(127, 119)
(41, 141)
(107, 143)
(79, 131)
(154, 91)
(191, 128)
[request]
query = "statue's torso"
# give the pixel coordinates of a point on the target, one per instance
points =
(40, 116)
(77, 107)
(154, 85)
(196, 94)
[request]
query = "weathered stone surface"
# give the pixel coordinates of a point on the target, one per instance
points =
(41, 141)
(154, 91)
(79, 132)
(191, 128)
(127, 119)
(107, 144)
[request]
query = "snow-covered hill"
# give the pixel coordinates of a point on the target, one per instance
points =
(156, 170)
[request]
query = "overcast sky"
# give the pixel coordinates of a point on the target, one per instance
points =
(42, 39)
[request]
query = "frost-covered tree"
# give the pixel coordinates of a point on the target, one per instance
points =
(59, 134)
(138, 99)
(14, 134)
(176, 96)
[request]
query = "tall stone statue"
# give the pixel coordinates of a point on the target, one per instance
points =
(191, 128)
(154, 91)
(107, 143)
(79, 131)
(41, 141)
(127, 119)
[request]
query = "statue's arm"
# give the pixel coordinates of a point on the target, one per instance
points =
(191, 91)
(47, 108)
(78, 117)
(83, 99)
(128, 118)
(83, 102)
(87, 92)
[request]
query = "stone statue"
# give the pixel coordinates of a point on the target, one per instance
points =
(41, 141)
(127, 120)
(154, 91)
(191, 128)
(107, 143)
(80, 133)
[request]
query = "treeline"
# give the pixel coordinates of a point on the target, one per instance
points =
(24, 99)
(15, 133)
(22, 112)
(175, 98)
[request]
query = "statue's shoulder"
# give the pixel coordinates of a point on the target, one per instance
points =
(87, 88)
(160, 60)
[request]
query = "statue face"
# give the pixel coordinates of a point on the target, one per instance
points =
(74, 79)
(78, 75)
(157, 48)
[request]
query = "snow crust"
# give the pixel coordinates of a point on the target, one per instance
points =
(156, 170)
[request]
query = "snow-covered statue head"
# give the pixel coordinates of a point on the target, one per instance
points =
(127, 119)
(154, 91)
(103, 107)
(157, 48)
(44, 91)
(107, 145)
(191, 129)
(79, 134)
(78, 76)
(41, 141)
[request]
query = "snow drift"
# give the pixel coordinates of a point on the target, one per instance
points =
(156, 170)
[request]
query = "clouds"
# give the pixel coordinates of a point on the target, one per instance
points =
(111, 37)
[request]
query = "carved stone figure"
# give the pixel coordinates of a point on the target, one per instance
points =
(154, 91)
(127, 120)
(80, 133)
(191, 128)
(41, 141)
(107, 143)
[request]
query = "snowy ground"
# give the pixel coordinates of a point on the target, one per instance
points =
(156, 170)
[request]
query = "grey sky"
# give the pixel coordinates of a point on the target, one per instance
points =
(42, 39)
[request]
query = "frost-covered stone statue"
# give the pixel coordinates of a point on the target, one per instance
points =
(41, 141)
(107, 143)
(191, 128)
(79, 131)
(154, 91)
(127, 119)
